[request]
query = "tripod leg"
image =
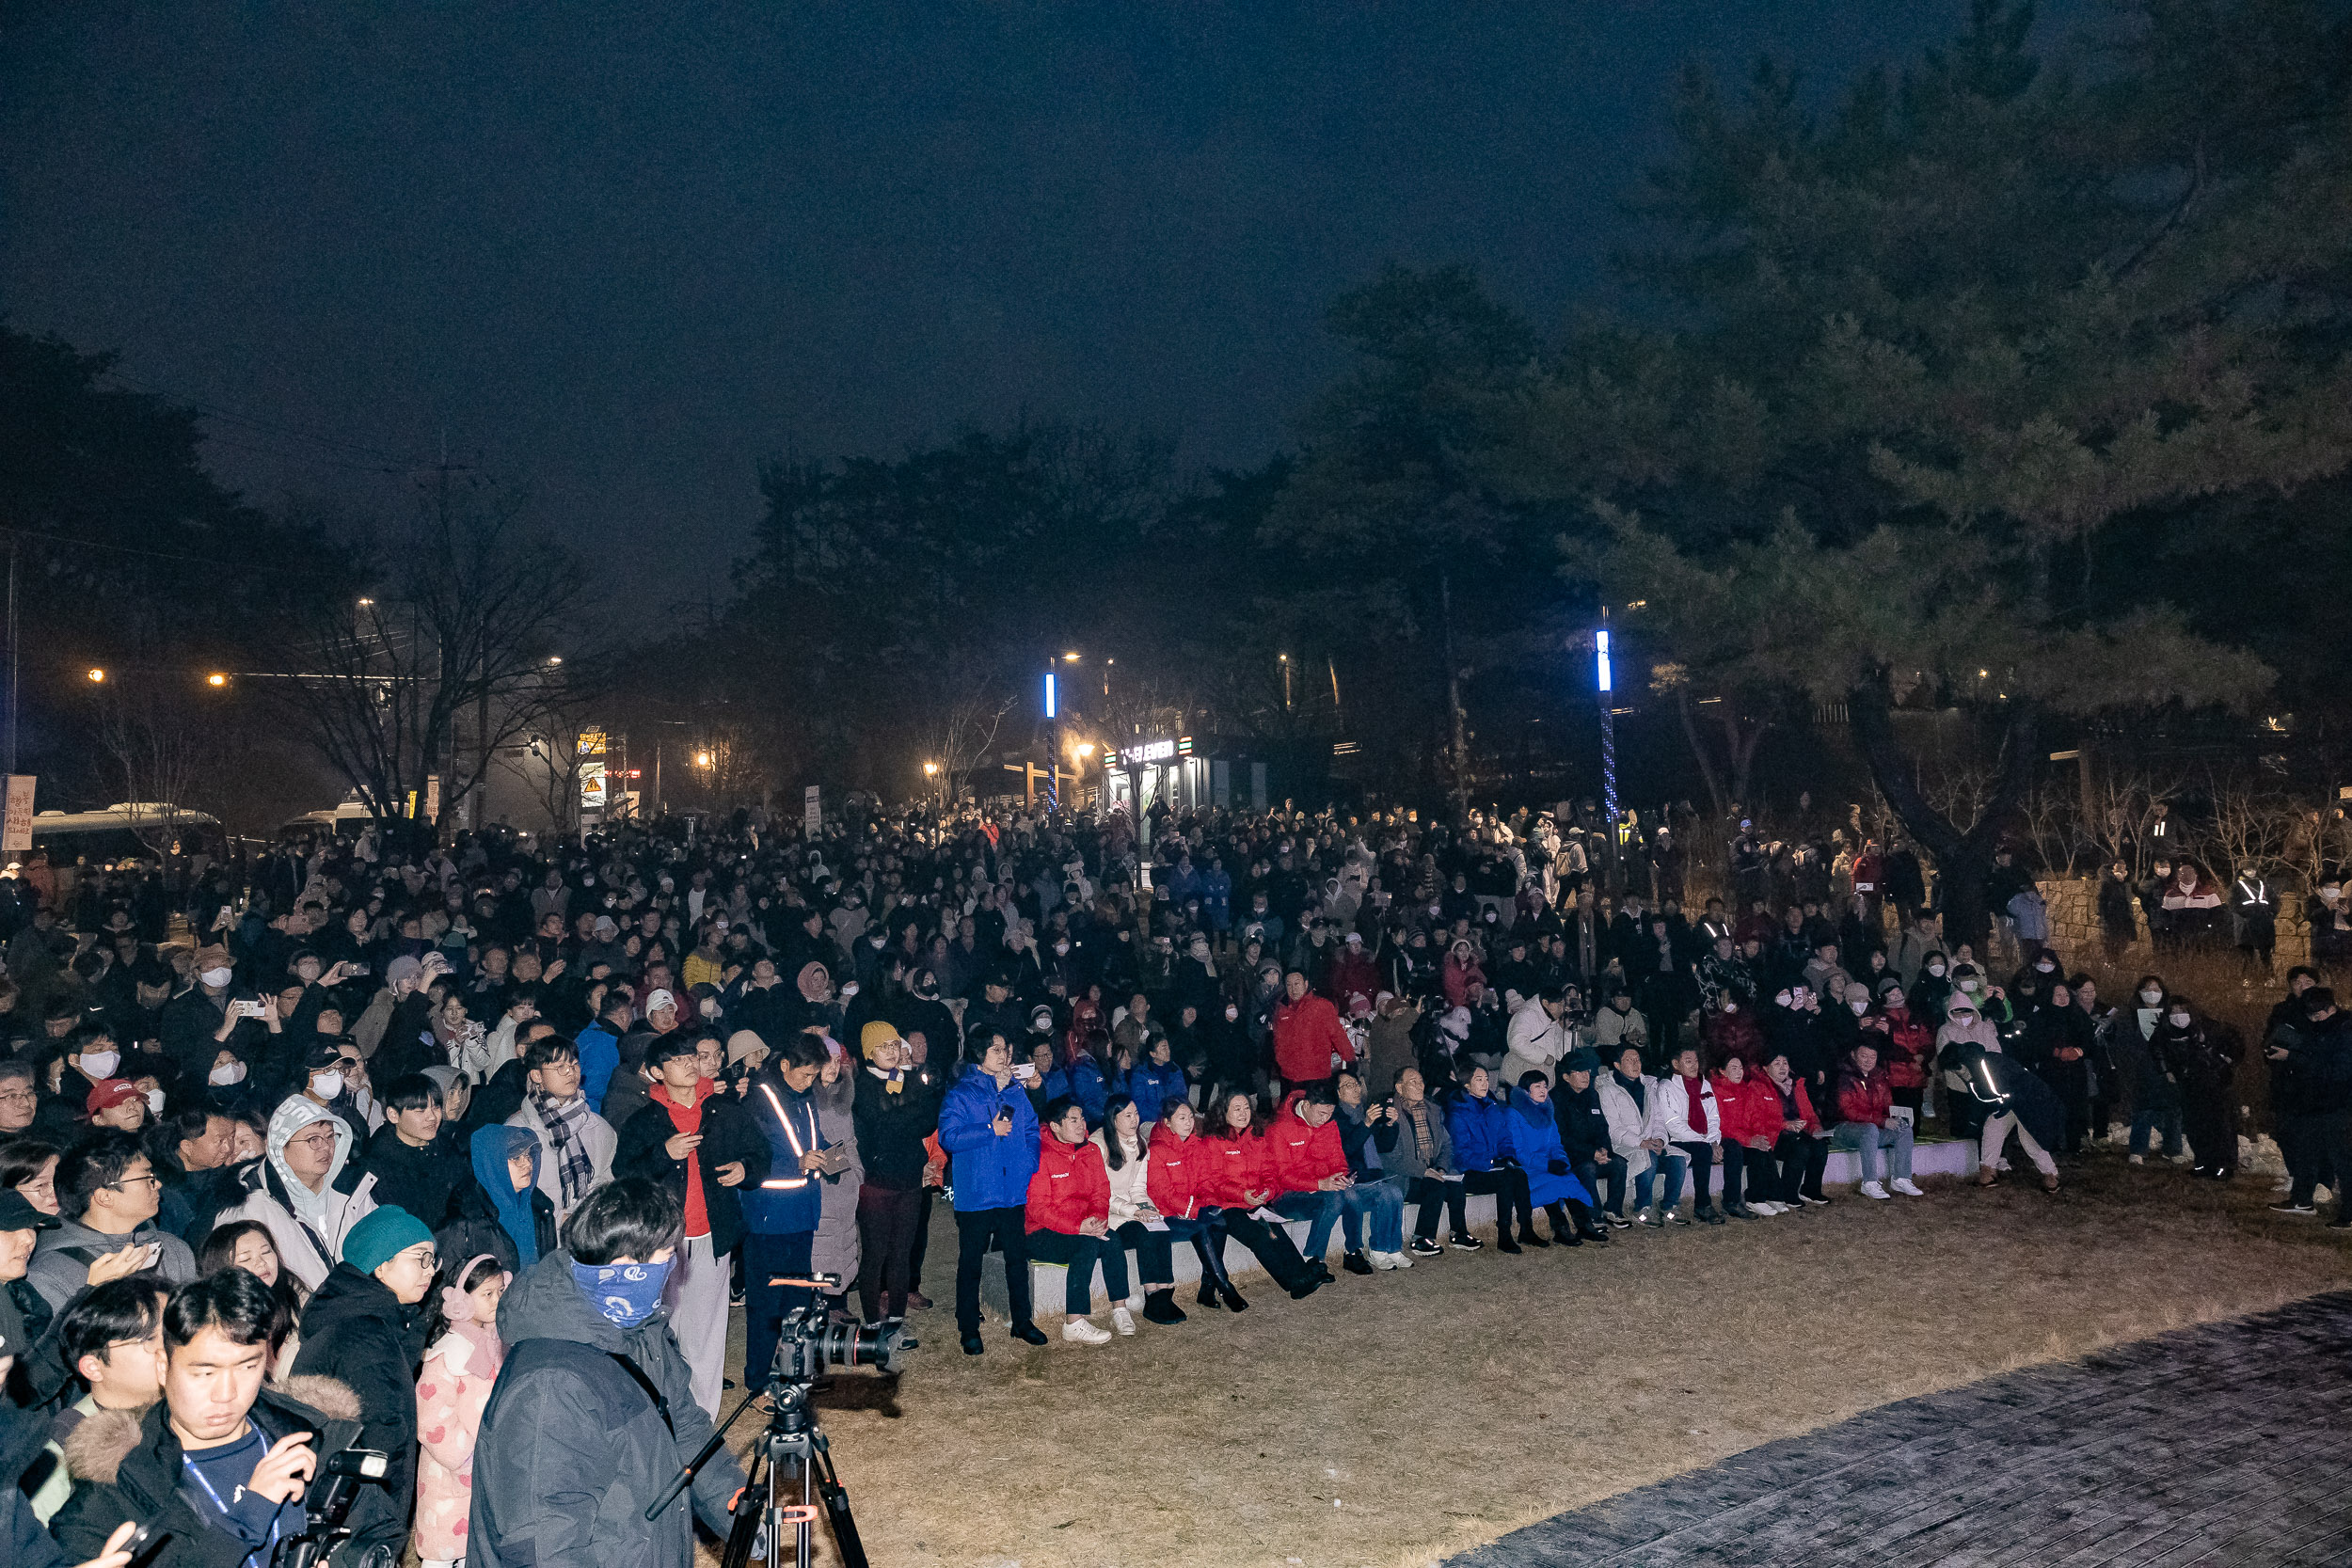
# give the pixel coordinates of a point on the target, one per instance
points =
(836, 1500)
(750, 1510)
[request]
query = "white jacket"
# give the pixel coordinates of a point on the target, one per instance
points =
(1129, 1200)
(1674, 1104)
(1537, 1041)
(595, 1132)
(1629, 1124)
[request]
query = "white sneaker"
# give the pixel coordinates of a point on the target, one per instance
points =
(1380, 1261)
(2135, 1160)
(1775, 1206)
(1396, 1261)
(1122, 1319)
(1909, 1188)
(1766, 1210)
(1082, 1331)
(1642, 1216)
(1871, 1189)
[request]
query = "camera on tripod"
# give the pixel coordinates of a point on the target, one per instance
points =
(810, 1341)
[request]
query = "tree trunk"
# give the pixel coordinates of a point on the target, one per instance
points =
(1698, 751)
(1963, 857)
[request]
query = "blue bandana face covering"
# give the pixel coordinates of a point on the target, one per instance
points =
(625, 1293)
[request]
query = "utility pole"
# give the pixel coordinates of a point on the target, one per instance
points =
(12, 652)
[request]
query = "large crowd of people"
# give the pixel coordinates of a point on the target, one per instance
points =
(466, 1154)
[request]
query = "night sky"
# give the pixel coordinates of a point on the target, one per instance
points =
(623, 253)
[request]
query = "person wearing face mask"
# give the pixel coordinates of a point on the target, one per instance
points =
(2328, 914)
(1930, 995)
(1963, 1029)
(2199, 1057)
(365, 1328)
(2058, 1046)
(217, 1014)
(591, 1355)
(2156, 1091)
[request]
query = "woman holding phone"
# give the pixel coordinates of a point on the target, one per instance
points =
(1237, 1181)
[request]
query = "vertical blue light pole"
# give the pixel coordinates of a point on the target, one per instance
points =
(1603, 688)
(1052, 743)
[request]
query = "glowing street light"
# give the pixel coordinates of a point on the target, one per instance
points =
(702, 759)
(930, 769)
(1070, 659)
(97, 675)
(217, 678)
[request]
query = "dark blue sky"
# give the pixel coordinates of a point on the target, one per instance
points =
(623, 253)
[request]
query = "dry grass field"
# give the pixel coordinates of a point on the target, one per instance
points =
(1390, 1421)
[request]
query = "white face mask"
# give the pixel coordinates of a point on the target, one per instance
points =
(2152, 997)
(1232, 1013)
(1060, 948)
(1936, 970)
(1970, 984)
(100, 1064)
(1860, 1008)
(215, 977)
(223, 1076)
(154, 1103)
(327, 1085)
(2180, 1020)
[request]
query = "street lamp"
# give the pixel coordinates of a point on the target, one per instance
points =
(1604, 684)
(930, 769)
(1285, 660)
(702, 759)
(97, 677)
(217, 678)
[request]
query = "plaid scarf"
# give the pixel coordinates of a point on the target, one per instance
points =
(572, 1165)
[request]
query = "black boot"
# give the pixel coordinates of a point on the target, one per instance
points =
(1527, 1229)
(1587, 1226)
(1216, 1284)
(1160, 1306)
(1355, 1262)
(1562, 1230)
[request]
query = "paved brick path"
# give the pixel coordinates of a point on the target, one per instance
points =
(2225, 1445)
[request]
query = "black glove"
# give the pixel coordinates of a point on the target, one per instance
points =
(1558, 1167)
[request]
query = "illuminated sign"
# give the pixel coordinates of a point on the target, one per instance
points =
(1151, 750)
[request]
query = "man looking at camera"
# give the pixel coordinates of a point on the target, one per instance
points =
(221, 1464)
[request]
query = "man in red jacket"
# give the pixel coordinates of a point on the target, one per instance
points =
(1310, 1175)
(1307, 1033)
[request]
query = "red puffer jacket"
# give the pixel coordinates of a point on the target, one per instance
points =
(1750, 1109)
(1304, 1155)
(1070, 1187)
(1910, 1047)
(1864, 1100)
(1179, 1169)
(1232, 1168)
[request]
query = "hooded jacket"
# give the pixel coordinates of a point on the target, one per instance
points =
(357, 1332)
(988, 1172)
(307, 1228)
(1475, 1126)
(128, 1466)
(571, 1450)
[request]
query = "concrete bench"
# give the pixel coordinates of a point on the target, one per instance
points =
(1048, 1282)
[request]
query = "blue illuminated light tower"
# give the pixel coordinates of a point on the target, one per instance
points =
(1052, 741)
(1604, 689)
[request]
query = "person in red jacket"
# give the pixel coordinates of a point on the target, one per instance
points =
(1751, 1111)
(1907, 1047)
(1310, 1170)
(1351, 973)
(1307, 1035)
(1070, 1221)
(1176, 1180)
(1237, 1181)
(1802, 1151)
(1866, 1102)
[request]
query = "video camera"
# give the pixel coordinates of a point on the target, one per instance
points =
(325, 1508)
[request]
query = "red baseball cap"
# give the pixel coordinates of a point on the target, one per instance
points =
(107, 1093)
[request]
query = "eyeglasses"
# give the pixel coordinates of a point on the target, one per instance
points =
(134, 1180)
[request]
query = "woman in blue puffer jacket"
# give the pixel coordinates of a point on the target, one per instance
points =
(989, 1129)
(1473, 1119)
(1531, 1132)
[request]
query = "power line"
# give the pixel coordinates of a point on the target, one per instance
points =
(273, 427)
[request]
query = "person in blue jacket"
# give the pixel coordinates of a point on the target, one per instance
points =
(599, 1046)
(989, 1129)
(1473, 1119)
(1532, 1132)
(1153, 1082)
(1083, 1080)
